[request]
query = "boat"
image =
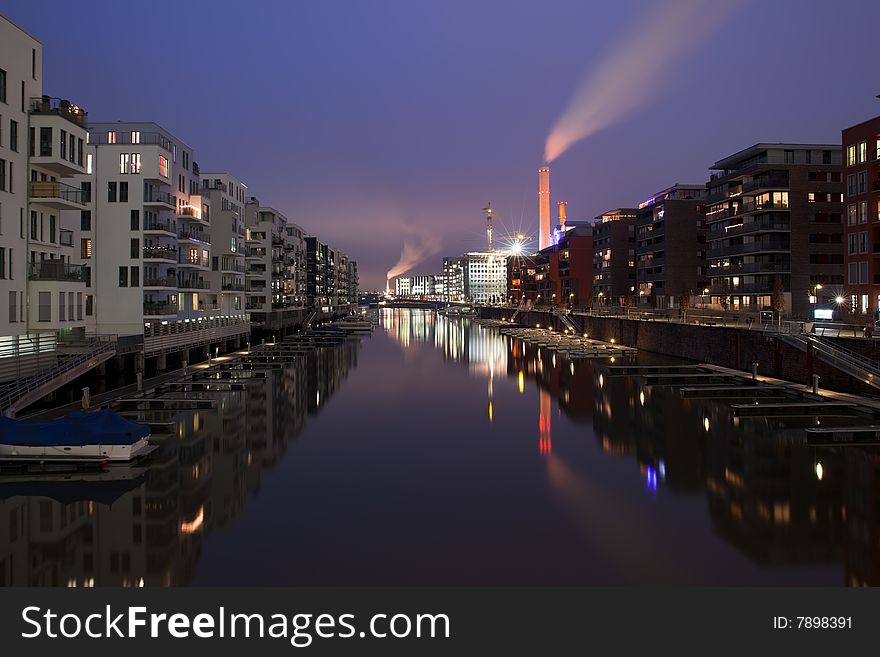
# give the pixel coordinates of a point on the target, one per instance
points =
(101, 436)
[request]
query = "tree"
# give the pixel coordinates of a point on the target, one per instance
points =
(684, 301)
(778, 299)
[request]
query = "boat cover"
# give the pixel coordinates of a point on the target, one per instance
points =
(101, 427)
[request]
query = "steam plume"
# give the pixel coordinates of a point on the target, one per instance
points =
(415, 250)
(628, 78)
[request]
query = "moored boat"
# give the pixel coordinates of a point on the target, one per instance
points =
(81, 436)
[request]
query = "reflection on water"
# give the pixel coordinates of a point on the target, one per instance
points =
(768, 494)
(147, 528)
(454, 455)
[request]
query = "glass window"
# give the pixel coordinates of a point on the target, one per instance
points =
(123, 277)
(45, 309)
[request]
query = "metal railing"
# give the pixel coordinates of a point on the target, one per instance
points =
(157, 224)
(152, 308)
(97, 349)
(846, 360)
(160, 253)
(38, 189)
(59, 107)
(156, 196)
(55, 270)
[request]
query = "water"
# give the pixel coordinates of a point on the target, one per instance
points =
(438, 452)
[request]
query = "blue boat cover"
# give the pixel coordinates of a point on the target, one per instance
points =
(101, 427)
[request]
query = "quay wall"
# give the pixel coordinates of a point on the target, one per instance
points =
(732, 347)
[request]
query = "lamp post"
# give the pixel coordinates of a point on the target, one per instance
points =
(705, 292)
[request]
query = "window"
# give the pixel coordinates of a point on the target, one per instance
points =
(61, 296)
(852, 214)
(863, 242)
(86, 189)
(13, 135)
(135, 137)
(134, 248)
(12, 306)
(863, 151)
(853, 244)
(136, 162)
(850, 155)
(851, 184)
(135, 220)
(789, 157)
(85, 220)
(111, 192)
(45, 307)
(123, 277)
(89, 164)
(124, 162)
(62, 149)
(53, 222)
(2, 262)
(863, 212)
(2, 85)
(70, 306)
(811, 197)
(123, 192)
(45, 142)
(863, 182)
(2, 175)
(111, 137)
(163, 166)
(79, 305)
(863, 272)
(85, 248)
(135, 276)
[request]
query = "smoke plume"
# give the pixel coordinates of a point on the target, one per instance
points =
(626, 79)
(416, 249)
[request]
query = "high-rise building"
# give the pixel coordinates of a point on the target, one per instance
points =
(671, 246)
(453, 278)
(227, 196)
(861, 149)
(42, 148)
(614, 248)
(774, 227)
(485, 277)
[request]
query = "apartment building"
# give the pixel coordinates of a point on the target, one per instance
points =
(42, 148)
(227, 196)
(265, 229)
(861, 150)
(148, 249)
(614, 255)
(671, 246)
(774, 220)
(295, 266)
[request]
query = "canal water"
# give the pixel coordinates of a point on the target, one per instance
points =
(437, 452)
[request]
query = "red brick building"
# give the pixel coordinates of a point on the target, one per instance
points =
(861, 212)
(561, 274)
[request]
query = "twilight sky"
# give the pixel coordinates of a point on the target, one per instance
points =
(375, 123)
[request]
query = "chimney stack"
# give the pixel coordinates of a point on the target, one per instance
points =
(544, 207)
(562, 205)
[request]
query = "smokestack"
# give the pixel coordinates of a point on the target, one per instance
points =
(544, 207)
(562, 206)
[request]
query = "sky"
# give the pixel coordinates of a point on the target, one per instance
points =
(384, 123)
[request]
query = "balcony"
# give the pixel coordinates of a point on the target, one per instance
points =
(124, 137)
(56, 195)
(768, 205)
(752, 227)
(232, 287)
(166, 282)
(194, 234)
(46, 105)
(190, 283)
(189, 212)
(231, 267)
(752, 247)
(55, 270)
(155, 309)
(160, 253)
(152, 225)
(766, 182)
(156, 197)
(193, 260)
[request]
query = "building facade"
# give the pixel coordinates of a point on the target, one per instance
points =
(861, 152)
(774, 228)
(227, 196)
(453, 279)
(614, 249)
(485, 277)
(671, 246)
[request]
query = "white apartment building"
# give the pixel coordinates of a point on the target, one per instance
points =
(228, 196)
(485, 277)
(150, 242)
(453, 279)
(294, 266)
(42, 146)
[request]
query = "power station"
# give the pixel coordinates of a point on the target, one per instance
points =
(543, 207)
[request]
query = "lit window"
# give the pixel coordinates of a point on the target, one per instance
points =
(123, 162)
(136, 162)
(863, 151)
(135, 137)
(111, 137)
(163, 166)
(89, 163)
